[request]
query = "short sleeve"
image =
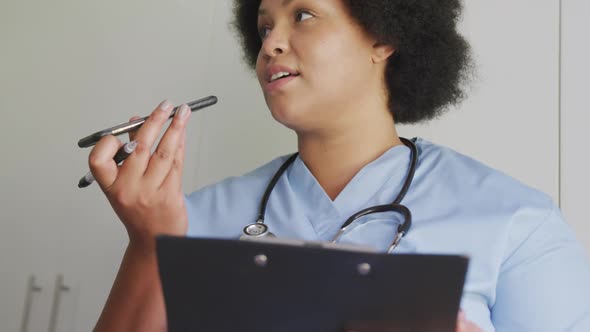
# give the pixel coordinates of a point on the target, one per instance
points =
(544, 284)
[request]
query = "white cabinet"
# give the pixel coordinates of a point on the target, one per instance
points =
(28, 196)
(69, 68)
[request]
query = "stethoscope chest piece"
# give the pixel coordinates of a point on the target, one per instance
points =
(257, 229)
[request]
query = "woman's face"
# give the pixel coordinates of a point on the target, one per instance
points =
(326, 54)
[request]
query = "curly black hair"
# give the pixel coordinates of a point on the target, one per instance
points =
(432, 65)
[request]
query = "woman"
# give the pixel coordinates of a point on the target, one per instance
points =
(341, 73)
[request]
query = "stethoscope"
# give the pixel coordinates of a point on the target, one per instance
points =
(260, 229)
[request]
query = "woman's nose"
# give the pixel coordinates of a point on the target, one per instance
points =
(276, 42)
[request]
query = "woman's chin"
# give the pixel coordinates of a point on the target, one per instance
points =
(284, 118)
(289, 116)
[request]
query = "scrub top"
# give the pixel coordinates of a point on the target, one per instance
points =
(527, 270)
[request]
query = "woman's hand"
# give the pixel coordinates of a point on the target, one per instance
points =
(464, 325)
(146, 191)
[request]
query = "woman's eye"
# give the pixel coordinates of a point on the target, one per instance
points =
(302, 16)
(263, 32)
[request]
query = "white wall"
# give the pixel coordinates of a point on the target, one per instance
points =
(240, 134)
(510, 120)
(575, 159)
(68, 68)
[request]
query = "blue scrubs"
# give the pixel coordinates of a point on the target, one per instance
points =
(527, 270)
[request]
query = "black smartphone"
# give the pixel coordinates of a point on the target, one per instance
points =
(91, 140)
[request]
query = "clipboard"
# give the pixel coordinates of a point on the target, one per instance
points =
(218, 285)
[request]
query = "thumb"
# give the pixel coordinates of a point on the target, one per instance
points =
(101, 163)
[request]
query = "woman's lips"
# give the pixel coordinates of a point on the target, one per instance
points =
(278, 84)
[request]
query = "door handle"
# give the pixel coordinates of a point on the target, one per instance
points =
(31, 289)
(60, 287)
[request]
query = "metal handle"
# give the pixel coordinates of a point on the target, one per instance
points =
(60, 287)
(31, 288)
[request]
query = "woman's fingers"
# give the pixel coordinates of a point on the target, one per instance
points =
(146, 136)
(465, 325)
(145, 209)
(174, 179)
(163, 158)
(133, 133)
(101, 163)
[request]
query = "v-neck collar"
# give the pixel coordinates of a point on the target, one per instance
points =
(326, 215)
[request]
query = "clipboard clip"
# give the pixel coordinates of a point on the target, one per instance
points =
(311, 244)
(363, 269)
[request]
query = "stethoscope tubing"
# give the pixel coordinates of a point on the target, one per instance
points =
(260, 229)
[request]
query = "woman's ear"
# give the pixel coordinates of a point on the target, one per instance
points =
(382, 52)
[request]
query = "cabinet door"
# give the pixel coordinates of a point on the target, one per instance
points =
(68, 69)
(29, 192)
(28, 233)
(575, 180)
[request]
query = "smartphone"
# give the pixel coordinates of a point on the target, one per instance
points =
(91, 140)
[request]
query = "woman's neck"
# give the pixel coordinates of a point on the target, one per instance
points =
(335, 156)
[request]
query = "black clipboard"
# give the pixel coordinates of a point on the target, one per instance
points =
(215, 285)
